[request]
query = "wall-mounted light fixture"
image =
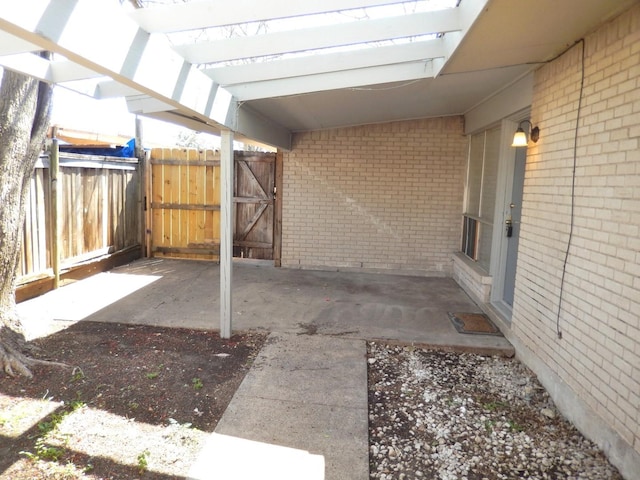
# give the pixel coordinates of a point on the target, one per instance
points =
(520, 137)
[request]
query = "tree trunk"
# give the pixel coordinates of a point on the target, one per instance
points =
(25, 106)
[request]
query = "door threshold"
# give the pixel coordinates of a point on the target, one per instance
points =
(500, 312)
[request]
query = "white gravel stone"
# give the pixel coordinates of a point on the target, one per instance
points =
(441, 415)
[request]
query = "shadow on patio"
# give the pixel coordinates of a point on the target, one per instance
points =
(307, 389)
(178, 293)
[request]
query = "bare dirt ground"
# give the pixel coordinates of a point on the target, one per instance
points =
(136, 402)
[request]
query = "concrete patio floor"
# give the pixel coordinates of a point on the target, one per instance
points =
(307, 390)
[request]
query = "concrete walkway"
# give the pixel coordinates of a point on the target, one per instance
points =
(302, 408)
(305, 392)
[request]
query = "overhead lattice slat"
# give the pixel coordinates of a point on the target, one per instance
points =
(332, 81)
(335, 62)
(321, 37)
(214, 13)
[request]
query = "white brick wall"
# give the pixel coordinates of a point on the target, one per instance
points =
(599, 354)
(385, 196)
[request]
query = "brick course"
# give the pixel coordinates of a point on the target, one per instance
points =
(599, 354)
(385, 196)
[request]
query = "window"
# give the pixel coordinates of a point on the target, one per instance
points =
(470, 237)
(482, 175)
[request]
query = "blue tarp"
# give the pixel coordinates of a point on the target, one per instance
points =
(125, 151)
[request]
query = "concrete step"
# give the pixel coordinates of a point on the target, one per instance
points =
(224, 457)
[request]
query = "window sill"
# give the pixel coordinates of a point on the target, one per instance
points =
(472, 278)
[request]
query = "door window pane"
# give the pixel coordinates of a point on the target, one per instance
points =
(469, 237)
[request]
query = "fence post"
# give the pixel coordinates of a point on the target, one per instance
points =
(277, 211)
(54, 171)
(142, 187)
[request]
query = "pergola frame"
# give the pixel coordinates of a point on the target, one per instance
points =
(104, 61)
(123, 61)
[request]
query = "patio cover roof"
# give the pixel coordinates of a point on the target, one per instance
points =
(185, 62)
(181, 62)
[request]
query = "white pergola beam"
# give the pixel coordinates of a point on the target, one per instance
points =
(66, 71)
(113, 89)
(247, 120)
(12, 45)
(46, 70)
(130, 56)
(334, 62)
(469, 11)
(321, 37)
(333, 81)
(83, 87)
(144, 104)
(216, 13)
(28, 64)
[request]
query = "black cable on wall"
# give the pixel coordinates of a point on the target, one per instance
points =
(573, 196)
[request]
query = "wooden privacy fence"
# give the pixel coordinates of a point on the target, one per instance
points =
(184, 221)
(98, 212)
(184, 193)
(101, 200)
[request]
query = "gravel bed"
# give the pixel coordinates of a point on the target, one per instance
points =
(443, 415)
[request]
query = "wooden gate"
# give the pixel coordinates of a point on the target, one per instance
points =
(184, 219)
(254, 204)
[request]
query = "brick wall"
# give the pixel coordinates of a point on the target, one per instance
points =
(599, 354)
(385, 196)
